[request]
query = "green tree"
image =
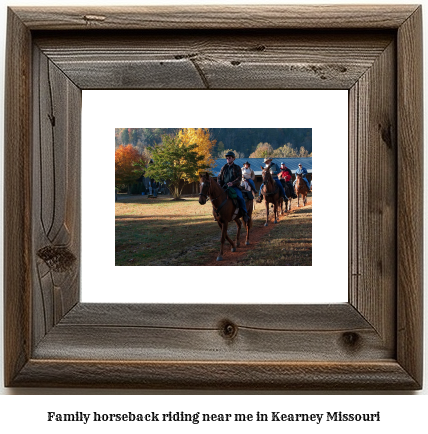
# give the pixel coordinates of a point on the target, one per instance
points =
(176, 163)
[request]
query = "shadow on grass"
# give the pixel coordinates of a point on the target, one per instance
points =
(184, 241)
(193, 236)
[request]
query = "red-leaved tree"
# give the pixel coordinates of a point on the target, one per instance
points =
(129, 165)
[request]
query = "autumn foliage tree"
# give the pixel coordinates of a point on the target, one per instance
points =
(129, 165)
(263, 150)
(176, 162)
(204, 145)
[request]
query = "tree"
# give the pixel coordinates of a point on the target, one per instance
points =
(204, 145)
(263, 150)
(129, 165)
(220, 148)
(134, 136)
(303, 153)
(125, 136)
(175, 162)
(285, 151)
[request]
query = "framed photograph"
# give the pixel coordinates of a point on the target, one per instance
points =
(373, 341)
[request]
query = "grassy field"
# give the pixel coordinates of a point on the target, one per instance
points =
(166, 232)
(288, 243)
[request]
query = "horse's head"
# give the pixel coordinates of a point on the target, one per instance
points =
(204, 190)
(266, 176)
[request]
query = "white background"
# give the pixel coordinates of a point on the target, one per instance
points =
(326, 112)
(400, 413)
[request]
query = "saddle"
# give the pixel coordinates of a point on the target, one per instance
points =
(231, 194)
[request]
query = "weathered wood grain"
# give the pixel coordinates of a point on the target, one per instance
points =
(329, 317)
(385, 375)
(373, 160)
(217, 17)
(200, 332)
(17, 198)
(372, 342)
(410, 196)
(56, 194)
(216, 60)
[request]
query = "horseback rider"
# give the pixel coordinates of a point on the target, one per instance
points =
(249, 175)
(273, 169)
(230, 175)
(302, 171)
(285, 174)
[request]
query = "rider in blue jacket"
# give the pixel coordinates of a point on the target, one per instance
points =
(301, 170)
(274, 170)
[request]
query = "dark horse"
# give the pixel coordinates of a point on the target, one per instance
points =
(301, 189)
(289, 191)
(271, 193)
(224, 211)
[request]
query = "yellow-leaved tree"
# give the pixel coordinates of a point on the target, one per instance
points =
(204, 145)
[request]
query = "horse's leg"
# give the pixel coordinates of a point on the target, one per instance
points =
(249, 224)
(223, 237)
(248, 227)
(275, 211)
(238, 232)
(267, 211)
(229, 240)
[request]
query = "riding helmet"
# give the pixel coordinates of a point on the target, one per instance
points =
(230, 154)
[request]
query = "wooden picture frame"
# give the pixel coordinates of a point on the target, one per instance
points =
(372, 342)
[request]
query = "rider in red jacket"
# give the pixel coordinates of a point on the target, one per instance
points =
(285, 174)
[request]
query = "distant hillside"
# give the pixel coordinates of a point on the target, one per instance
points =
(243, 140)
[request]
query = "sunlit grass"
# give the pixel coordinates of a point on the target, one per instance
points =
(162, 231)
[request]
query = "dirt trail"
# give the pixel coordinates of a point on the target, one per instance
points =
(257, 232)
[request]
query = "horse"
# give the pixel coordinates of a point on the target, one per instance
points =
(224, 211)
(301, 189)
(289, 190)
(271, 193)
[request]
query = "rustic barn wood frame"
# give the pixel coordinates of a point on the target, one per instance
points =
(372, 342)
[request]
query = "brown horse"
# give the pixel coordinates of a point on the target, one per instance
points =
(301, 189)
(224, 211)
(272, 194)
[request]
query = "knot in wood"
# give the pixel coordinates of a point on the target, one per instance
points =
(351, 340)
(228, 330)
(58, 259)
